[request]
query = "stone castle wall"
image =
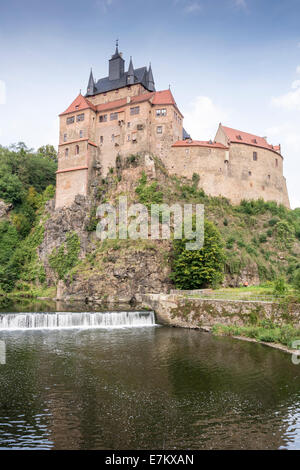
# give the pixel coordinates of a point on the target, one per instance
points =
(232, 174)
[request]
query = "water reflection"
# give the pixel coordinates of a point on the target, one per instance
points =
(145, 388)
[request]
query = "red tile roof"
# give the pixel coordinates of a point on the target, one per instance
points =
(199, 143)
(164, 97)
(240, 137)
(80, 103)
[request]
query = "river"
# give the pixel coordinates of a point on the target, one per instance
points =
(144, 387)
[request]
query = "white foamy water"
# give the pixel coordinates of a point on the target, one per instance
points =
(24, 321)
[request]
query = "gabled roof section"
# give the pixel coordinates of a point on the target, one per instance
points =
(79, 104)
(240, 137)
(199, 143)
(164, 97)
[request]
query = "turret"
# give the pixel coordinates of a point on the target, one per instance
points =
(91, 88)
(150, 79)
(130, 73)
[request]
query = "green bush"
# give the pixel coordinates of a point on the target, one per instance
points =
(63, 259)
(280, 287)
(199, 268)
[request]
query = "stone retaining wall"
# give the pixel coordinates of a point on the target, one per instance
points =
(188, 312)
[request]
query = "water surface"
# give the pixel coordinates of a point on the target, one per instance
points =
(145, 388)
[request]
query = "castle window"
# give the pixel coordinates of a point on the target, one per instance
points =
(161, 112)
(70, 120)
(269, 177)
(80, 117)
(101, 139)
(128, 137)
(113, 137)
(159, 130)
(66, 152)
(103, 118)
(135, 110)
(140, 127)
(187, 151)
(113, 116)
(81, 134)
(77, 150)
(276, 162)
(128, 124)
(65, 137)
(250, 173)
(255, 156)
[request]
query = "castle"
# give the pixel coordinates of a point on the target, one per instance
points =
(122, 114)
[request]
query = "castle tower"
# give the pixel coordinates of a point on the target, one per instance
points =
(116, 65)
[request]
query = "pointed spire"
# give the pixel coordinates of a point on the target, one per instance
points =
(130, 73)
(150, 79)
(91, 88)
(117, 53)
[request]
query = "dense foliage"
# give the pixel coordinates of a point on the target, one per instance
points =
(199, 268)
(27, 181)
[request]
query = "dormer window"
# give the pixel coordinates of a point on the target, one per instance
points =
(77, 106)
(239, 137)
(254, 141)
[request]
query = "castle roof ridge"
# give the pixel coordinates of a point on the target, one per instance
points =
(240, 137)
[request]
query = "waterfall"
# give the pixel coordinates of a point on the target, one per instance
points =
(21, 321)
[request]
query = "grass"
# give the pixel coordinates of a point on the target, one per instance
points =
(265, 331)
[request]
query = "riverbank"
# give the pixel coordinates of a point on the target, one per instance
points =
(275, 324)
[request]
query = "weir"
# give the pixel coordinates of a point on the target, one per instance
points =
(59, 320)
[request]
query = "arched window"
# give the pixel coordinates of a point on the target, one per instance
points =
(77, 150)
(66, 152)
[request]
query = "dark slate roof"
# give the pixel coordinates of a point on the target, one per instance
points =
(104, 84)
(185, 135)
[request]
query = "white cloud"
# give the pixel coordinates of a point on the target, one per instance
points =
(298, 69)
(295, 84)
(202, 119)
(193, 7)
(289, 101)
(2, 92)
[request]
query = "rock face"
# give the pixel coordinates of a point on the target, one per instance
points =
(58, 225)
(119, 272)
(122, 276)
(4, 208)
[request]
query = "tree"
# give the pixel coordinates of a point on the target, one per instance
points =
(200, 268)
(48, 151)
(11, 188)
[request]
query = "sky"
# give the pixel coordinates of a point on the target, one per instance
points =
(230, 61)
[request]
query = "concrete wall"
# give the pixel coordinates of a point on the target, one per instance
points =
(176, 310)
